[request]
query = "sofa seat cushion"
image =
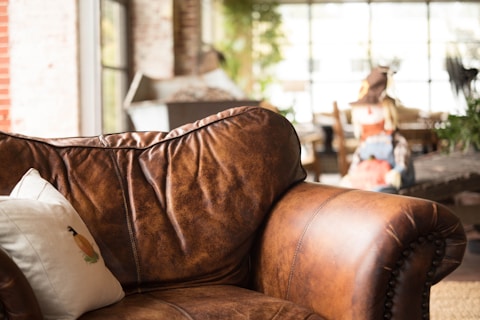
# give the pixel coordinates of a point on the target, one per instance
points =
(205, 302)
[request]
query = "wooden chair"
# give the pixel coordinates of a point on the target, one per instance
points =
(344, 146)
(310, 159)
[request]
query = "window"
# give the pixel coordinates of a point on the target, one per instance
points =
(104, 65)
(114, 64)
(331, 47)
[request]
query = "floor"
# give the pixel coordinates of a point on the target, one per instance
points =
(469, 270)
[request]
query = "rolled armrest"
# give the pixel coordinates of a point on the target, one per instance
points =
(352, 254)
(16, 296)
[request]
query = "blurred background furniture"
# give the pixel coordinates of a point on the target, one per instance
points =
(344, 141)
(311, 140)
(443, 177)
(418, 128)
(164, 104)
(339, 141)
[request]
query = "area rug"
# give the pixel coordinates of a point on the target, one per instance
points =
(451, 300)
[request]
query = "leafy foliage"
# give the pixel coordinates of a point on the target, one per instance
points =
(251, 42)
(462, 131)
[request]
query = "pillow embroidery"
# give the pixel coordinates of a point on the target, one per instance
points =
(90, 255)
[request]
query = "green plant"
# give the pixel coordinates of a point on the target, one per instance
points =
(251, 42)
(462, 131)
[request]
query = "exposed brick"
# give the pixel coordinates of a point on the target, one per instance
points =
(187, 36)
(5, 61)
(44, 67)
(152, 37)
(5, 122)
(44, 86)
(5, 125)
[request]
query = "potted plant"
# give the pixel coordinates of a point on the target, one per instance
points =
(462, 132)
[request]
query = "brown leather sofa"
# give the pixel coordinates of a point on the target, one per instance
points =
(214, 220)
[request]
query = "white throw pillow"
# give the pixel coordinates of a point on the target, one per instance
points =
(51, 244)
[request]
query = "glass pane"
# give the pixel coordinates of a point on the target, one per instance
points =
(294, 64)
(399, 22)
(413, 94)
(443, 98)
(340, 23)
(114, 65)
(348, 39)
(340, 62)
(455, 21)
(113, 21)
(295, 50)
(438, 54)
(468, 52)
(410, 61)
(113, 86)
(295, 23)
(326, 92)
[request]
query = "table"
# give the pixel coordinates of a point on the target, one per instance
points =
(311, 139)
(440, 177)
(421, 134)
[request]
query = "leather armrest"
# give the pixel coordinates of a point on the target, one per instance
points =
(352, 254)
(16, 294)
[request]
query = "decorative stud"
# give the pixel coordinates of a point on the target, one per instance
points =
(439, 252)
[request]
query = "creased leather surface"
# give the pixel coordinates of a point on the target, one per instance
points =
(170, 209)
(373, 234)
(16, 295)
(208, 302)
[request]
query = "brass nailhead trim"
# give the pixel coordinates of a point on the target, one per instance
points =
(439, 252)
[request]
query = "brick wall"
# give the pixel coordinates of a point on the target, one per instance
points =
(44, 67)
(152, 37)
(4, 68)
(187, 36)
(166, 37)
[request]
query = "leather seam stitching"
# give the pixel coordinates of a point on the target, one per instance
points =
(127, 211)
(302, 236)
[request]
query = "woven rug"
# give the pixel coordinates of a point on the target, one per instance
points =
(451, 300)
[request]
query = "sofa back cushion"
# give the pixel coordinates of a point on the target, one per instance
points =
(169, 209)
